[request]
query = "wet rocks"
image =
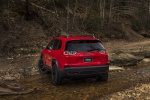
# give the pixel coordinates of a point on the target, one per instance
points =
(13, 88)
(139, 92)
(112, 68)
(17, 68)
(18, 73)
(143, 53)
(29, 71)
(129, 54)
(146, 60)
(121, 58)
(11, 77)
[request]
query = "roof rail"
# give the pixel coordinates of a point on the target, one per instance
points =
(66, 36)
(89, 35)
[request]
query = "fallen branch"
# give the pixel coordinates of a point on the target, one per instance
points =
(39, 7)
(42, 8)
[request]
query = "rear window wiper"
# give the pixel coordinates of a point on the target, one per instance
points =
(94, 49)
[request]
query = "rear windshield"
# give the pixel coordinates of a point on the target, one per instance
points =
(84, 45)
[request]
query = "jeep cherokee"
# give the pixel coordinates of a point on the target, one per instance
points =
(74, 56)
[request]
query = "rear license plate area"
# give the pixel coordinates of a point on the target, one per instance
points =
(87, 59)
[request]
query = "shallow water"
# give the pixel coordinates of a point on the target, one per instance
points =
(82, 89)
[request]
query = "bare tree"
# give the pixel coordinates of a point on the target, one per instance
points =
(55, 8)
(27, 10)
(74, 13)
(104, 9)
(110, 12)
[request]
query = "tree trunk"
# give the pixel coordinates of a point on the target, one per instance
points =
(74, 13)
(110, 13)
(27, 10)
(68, 17)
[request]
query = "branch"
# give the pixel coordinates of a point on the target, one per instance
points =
(42, 8)
(39, 7)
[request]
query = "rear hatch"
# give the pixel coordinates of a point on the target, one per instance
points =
(85, 53)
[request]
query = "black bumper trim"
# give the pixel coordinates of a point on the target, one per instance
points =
(90, 71)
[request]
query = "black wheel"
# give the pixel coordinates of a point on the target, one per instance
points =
(103, 77)
(56, 78)
(41, 66)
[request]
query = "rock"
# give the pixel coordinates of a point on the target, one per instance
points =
(5, 91)
(10, 58)
(8, 77)
(115, 68)
(146, 60)
(30, 71)
(121, 58)
(14, 89)
(12, 76)
(34, 70)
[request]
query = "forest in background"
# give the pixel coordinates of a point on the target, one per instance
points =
(27, 23)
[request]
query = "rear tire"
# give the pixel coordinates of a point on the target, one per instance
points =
(56, 78)
(103, 77)
(42, 68)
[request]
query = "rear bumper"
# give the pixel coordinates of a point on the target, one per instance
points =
(90, 71)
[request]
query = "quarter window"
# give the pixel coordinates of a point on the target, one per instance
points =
(54, 45)
(50, 45)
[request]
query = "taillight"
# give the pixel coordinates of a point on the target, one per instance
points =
(69, 52)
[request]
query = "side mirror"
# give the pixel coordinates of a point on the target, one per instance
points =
(43, 47)
(50, 48)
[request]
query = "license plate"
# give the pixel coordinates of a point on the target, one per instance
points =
(87, 59)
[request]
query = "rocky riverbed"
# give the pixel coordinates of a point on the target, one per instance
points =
(129, 77)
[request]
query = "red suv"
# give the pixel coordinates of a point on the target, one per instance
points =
(74, 56)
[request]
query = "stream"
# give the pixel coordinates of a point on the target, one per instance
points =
(41, 88)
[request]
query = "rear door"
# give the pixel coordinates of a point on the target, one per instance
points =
(54, 52)
(47, 54)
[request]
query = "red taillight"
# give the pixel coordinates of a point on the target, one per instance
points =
(69, 52)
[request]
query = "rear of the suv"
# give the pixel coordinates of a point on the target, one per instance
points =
(77, 56)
